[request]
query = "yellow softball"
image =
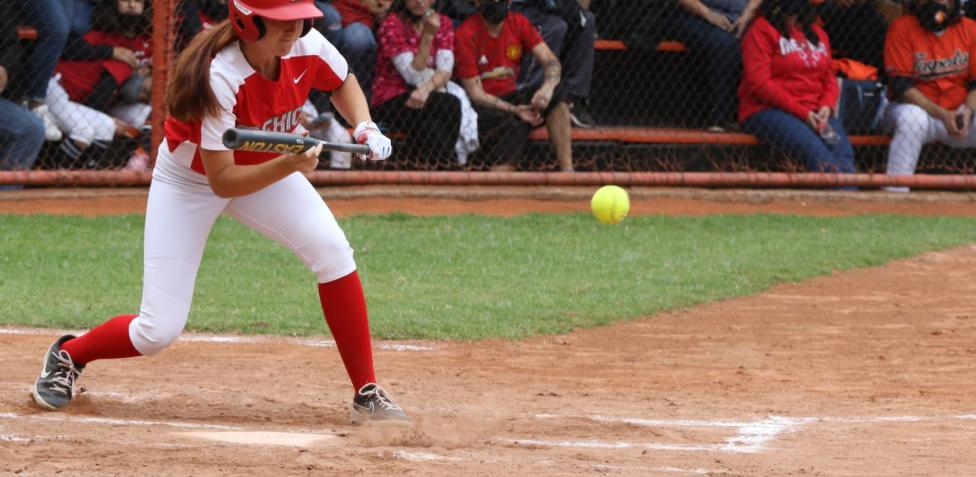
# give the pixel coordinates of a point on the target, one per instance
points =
(610, 204)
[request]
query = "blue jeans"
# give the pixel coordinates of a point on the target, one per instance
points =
(80, 15)
(355, 41)
(52, 22)
(723, 62)
(792, 135)
(21, 137)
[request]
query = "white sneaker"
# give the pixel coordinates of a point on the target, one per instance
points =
(51, 131)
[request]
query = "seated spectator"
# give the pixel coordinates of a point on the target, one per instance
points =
(932, 79)
(83, 91)
(52, 23)
(788, 88)
(711, 29)
(856, 29)
(570, 32)
(489, 47)
(349, 25)
(21, 133)
(416, 60)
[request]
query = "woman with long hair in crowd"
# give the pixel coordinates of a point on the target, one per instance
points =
(789, 90)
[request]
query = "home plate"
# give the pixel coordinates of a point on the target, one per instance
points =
(264, 438)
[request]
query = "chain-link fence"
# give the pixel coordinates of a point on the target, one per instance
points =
(659, 85)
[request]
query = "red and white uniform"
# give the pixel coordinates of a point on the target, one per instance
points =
(182, 207)
(249, 100)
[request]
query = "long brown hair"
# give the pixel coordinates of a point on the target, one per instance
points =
(189, 96)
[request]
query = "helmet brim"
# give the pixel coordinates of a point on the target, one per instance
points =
(290, 11)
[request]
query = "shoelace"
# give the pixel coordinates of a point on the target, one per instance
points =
(385, 402)
(64, 376)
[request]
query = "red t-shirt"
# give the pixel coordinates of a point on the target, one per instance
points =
(495, 60)
(79, 78)
(790, 74)
(940, 66)
(396, 37)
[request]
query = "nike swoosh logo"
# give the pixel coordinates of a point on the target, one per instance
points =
(299, 78)
(45, 373)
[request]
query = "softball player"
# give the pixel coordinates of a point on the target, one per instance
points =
(254, 71)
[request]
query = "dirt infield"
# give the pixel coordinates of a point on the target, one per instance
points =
(862, 373)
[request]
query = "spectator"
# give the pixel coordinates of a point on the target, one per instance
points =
(489, 48)
(711, 29)
(83, 91)
(52, 23)
(570, 32)
(856, 29)
(932, 79)
(349, 25)
(21, 133)
(788, 88)
(410, 93)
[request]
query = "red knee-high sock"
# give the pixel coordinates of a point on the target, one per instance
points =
(344, 305)
(110, 340)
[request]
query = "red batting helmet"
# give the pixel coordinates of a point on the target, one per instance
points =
(246, 15)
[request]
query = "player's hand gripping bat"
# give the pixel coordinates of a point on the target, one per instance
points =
(282, 143)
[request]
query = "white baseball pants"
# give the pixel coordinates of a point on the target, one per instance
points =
(912, 128)
(79, 122)
(182, 209)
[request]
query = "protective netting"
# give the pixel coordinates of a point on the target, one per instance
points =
(677, 85)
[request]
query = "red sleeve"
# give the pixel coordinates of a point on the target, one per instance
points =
(118, 69)
(444, 39)
(898, 52)
(831, 91)
(528, 33)
(465, 61)
(758, 47)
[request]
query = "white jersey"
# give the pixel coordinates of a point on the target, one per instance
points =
(249, 100)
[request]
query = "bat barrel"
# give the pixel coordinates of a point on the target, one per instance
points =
(281, 143)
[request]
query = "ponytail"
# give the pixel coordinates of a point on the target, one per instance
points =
(189, 96)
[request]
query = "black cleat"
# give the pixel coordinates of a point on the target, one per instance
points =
(373, 404)
(52, 390)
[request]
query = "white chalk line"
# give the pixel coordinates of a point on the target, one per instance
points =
(751, 438)
(114, 422)
(231, 339)
(56, 417)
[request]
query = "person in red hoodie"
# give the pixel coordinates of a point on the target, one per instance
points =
(788, 88)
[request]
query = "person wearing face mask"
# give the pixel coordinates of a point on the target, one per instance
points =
(412, 91)
(929, 55)
(490, 47)
(789, 90)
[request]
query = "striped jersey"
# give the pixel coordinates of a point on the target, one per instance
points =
(249, 100)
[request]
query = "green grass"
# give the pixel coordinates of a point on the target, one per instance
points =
(467, 277)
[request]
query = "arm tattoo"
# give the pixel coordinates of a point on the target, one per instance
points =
(553, 70)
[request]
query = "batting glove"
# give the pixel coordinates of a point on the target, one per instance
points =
(369, 134)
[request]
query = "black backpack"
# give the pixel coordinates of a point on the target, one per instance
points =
(861, 103)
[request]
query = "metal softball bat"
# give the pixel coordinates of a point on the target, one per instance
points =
(282, 143)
